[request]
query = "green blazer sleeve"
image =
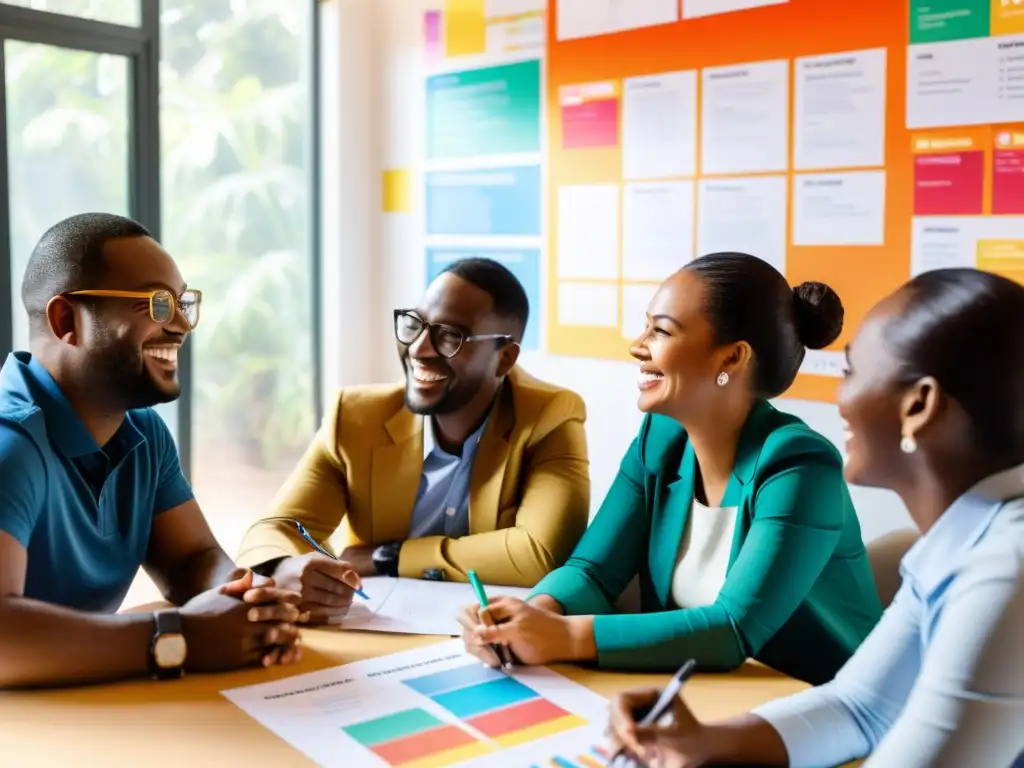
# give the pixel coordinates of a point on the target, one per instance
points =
(610, 552)
(790, 495)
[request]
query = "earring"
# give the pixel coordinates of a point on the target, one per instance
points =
(723, 379)
(908, 444)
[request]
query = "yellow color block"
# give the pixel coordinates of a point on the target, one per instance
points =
(535, 732)
(396, 189)
(1002, 257)
(1007, 17)
(465, 27)
(451, 756)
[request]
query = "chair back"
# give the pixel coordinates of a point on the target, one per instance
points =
(885, 554)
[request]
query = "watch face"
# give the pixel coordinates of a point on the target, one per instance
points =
(169, 651)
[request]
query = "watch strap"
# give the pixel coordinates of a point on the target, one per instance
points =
(168, 622)
(385, 558)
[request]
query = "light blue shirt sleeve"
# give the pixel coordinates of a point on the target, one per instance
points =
(961, 704)
(22, 484)
(847, 718)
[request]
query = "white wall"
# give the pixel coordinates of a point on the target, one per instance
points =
(373, 120)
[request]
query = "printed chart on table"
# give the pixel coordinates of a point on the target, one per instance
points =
(432, 707)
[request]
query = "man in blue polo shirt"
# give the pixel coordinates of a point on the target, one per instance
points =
(90, 483)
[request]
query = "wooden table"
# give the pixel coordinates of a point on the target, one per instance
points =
(188, 724)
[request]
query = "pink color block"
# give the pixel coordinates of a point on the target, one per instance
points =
(949, 184)
(591, 124)
(1008, 181)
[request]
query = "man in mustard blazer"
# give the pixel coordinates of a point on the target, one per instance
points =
(469, 464)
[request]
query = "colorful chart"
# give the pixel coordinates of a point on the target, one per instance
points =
(502, 709)
(416, 739)
(597, 757)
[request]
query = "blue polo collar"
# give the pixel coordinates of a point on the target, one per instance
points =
(26, 377)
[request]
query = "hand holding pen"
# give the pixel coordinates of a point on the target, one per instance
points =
(503, 654)
(636, 716)
(326, 583)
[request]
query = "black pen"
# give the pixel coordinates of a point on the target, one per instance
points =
(660, 709)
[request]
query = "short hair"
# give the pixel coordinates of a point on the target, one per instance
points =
(508, 297)
(965, 328)
(69, 257)
(747, 299)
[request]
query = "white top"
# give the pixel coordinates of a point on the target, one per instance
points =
(939, 683)
(703, 556)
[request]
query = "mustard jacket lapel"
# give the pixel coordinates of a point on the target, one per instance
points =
(489, 466)
(396, 475)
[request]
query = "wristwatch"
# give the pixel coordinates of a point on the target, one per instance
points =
(385, 558)
(168, 650)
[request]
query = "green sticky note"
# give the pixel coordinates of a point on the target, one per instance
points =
(937, 21)
(488, 111)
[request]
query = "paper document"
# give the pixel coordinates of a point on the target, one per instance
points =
(743, 214)
(415, 606)
(839, 208)
(431, 707)
(659, 125)
(745, 118)
(840, 110)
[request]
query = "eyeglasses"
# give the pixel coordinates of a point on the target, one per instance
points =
(447, 341)
(163, 305)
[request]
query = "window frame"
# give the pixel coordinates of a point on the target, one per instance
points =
(141, 46)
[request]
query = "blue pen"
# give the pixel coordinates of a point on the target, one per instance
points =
(305, 534)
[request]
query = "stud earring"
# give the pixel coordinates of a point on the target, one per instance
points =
(908, 444)
(723, 379)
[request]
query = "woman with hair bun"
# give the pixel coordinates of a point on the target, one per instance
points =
(733, 516)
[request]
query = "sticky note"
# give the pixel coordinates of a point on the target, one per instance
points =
(396, 190)
(465, 27)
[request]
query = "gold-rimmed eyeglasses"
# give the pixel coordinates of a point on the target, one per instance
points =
(163, 305)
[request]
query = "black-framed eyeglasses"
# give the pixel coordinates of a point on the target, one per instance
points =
(446, 339)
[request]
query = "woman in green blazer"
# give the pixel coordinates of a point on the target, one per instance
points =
(734, 517)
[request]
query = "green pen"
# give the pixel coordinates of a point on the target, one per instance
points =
(481, 596)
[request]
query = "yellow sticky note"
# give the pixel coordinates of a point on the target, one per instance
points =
(465, 27)
(396, 187)
(1003, 257)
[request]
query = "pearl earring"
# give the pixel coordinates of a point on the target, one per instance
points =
(908, 444)
(723, 379)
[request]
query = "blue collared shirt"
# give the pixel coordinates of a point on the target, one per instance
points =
(442, 503)
(83, 512)
(939, 682)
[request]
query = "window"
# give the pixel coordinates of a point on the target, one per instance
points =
(67, 145)
(237, 131)
(112, 11)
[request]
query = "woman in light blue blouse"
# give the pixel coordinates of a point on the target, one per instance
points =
(933, 400)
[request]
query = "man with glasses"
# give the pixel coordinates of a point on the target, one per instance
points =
(90, 483)
(468, 464)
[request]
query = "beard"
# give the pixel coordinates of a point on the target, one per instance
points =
(122, 377)
(450, 399)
